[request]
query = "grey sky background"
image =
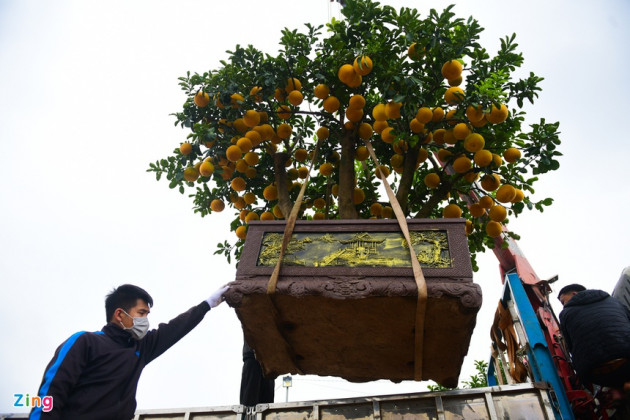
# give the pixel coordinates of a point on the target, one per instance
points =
(86, 89)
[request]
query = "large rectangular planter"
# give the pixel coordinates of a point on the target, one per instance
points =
(346, 298)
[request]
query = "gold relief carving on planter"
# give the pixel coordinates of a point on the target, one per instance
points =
(356, 249)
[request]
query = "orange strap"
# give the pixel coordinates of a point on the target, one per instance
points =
(415, 265)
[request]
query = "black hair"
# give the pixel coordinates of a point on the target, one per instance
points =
(125, 297)
(571, 288)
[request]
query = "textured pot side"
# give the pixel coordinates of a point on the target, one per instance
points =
(345, 302)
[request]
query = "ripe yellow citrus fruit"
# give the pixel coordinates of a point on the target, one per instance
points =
(358, 196)
(356, 102)
(382, 169)
(251, 216)
(519, 196)
(469, 227)
(270, 192)
(505, 193)
(379, 113)
(206, 169)
(322, 91)
(476, 210)
(490, 182)
(301, 155)
(202, 99)
(387, 135)
(493, 229)
(251, 118)
(480, 123)
(280, 95)
(249, 197)
(416, 126)
(318, 215)
(295, 97)
(361, 153)
(362, 65)
(438, 114)
(486, 202)
(387, 212)
(498, 213)
(284, 130)
(461, 131)
(474, 142)
(238, 184)
(323, 133)
(254, 136)
(392, 110)
(474, 114)
(255, 92)
(191, 174)
(241, 165)
(185, 148)
(454, 95)
(511, 154)
(379, 126)
(497, 115)
(245, 144)
(424, 115)
(497, 160)
(331, 104)
(354, 115)
(400, 146)
(452, 69)
(302, 172)
(251, 158)
(217, 205)
(462, 164)
(432, 180)
(365, 131)
(277, 212)
(482, 157)
(267, 216)
(284, 112)
(438, 136)
(292, 84)
(444, 154)
(326, 169)
(241, 232)
(455, 82)
(251, 173)
(397, 160)
(233, 153)
(376, 209)
(423, 154)
(449, 137)
(452, 211)
(319, 203)
(346, 73)
(236, 99)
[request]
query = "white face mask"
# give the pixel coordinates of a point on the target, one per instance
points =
(139, 328)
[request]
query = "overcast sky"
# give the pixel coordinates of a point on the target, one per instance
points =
(86, 89)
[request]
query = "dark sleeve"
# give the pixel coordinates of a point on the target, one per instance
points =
(161, 339)
(61, 375)
(564, 330)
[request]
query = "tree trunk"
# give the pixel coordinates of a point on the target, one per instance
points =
(280, 172)
(440, 193)
(406, 179)
(347, 210)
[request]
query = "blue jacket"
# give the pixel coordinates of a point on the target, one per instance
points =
(94, 375)
(596, 329)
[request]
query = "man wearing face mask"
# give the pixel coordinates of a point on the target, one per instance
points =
(94, 375)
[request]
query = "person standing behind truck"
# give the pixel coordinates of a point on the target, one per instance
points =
(94, 375)
(596, 330)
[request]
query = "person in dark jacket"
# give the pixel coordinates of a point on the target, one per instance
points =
(94, 375)
(596, 330)
(255, 388)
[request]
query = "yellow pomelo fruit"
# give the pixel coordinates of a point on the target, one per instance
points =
(424, 115)
(280, 95)
(490, 182)
(251, 118)
(322, 91)
(217, 205)
(376, 209)
(361, 153)
(251, 158)
(241, 165)
(254, 136)
(292, 84)
(358, 196)
(379, 112)
(397, 160)
(191, 174)
(241, 232)
(432, 180)
(295, 97)
(331, 104)
(511, 154)
(238, 184)
(474, 114)
(438, 114)
(323, 133)
(365, 131)
(318, 215)
(476, 210)
(233, 153)
(392, 110)
(444, 154)
(474, 142)
(482, 157)
(423, 154)
(319, 203)
(452, 69)
(493, 229)
(206, 169)
(284, 112)
(452, 211)
(236, 99)
(270, 192)
(354, 114)
(202, 99)
(449, 137)
(382, 169)
(438, 136)
(346, 73)
(461, 131)
(302, 172)
(245, 144)
(249, 197)
(356, 102)
(456, 81)
(454, 95)
(498, 213)
(326, 169)
(416, 126)
(267, 216)
(363, 65)
(469, 227)
(505, 193)
(497, 115)
(277, 212)
(185, 148)
(486, 202)
(462, 164)
(379, 126)
(387, 135)
(497, 160)
(301, 155)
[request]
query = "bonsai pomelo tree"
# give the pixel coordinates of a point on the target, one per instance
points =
(444, 117)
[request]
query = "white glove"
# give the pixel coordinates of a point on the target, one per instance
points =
(217, 297)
